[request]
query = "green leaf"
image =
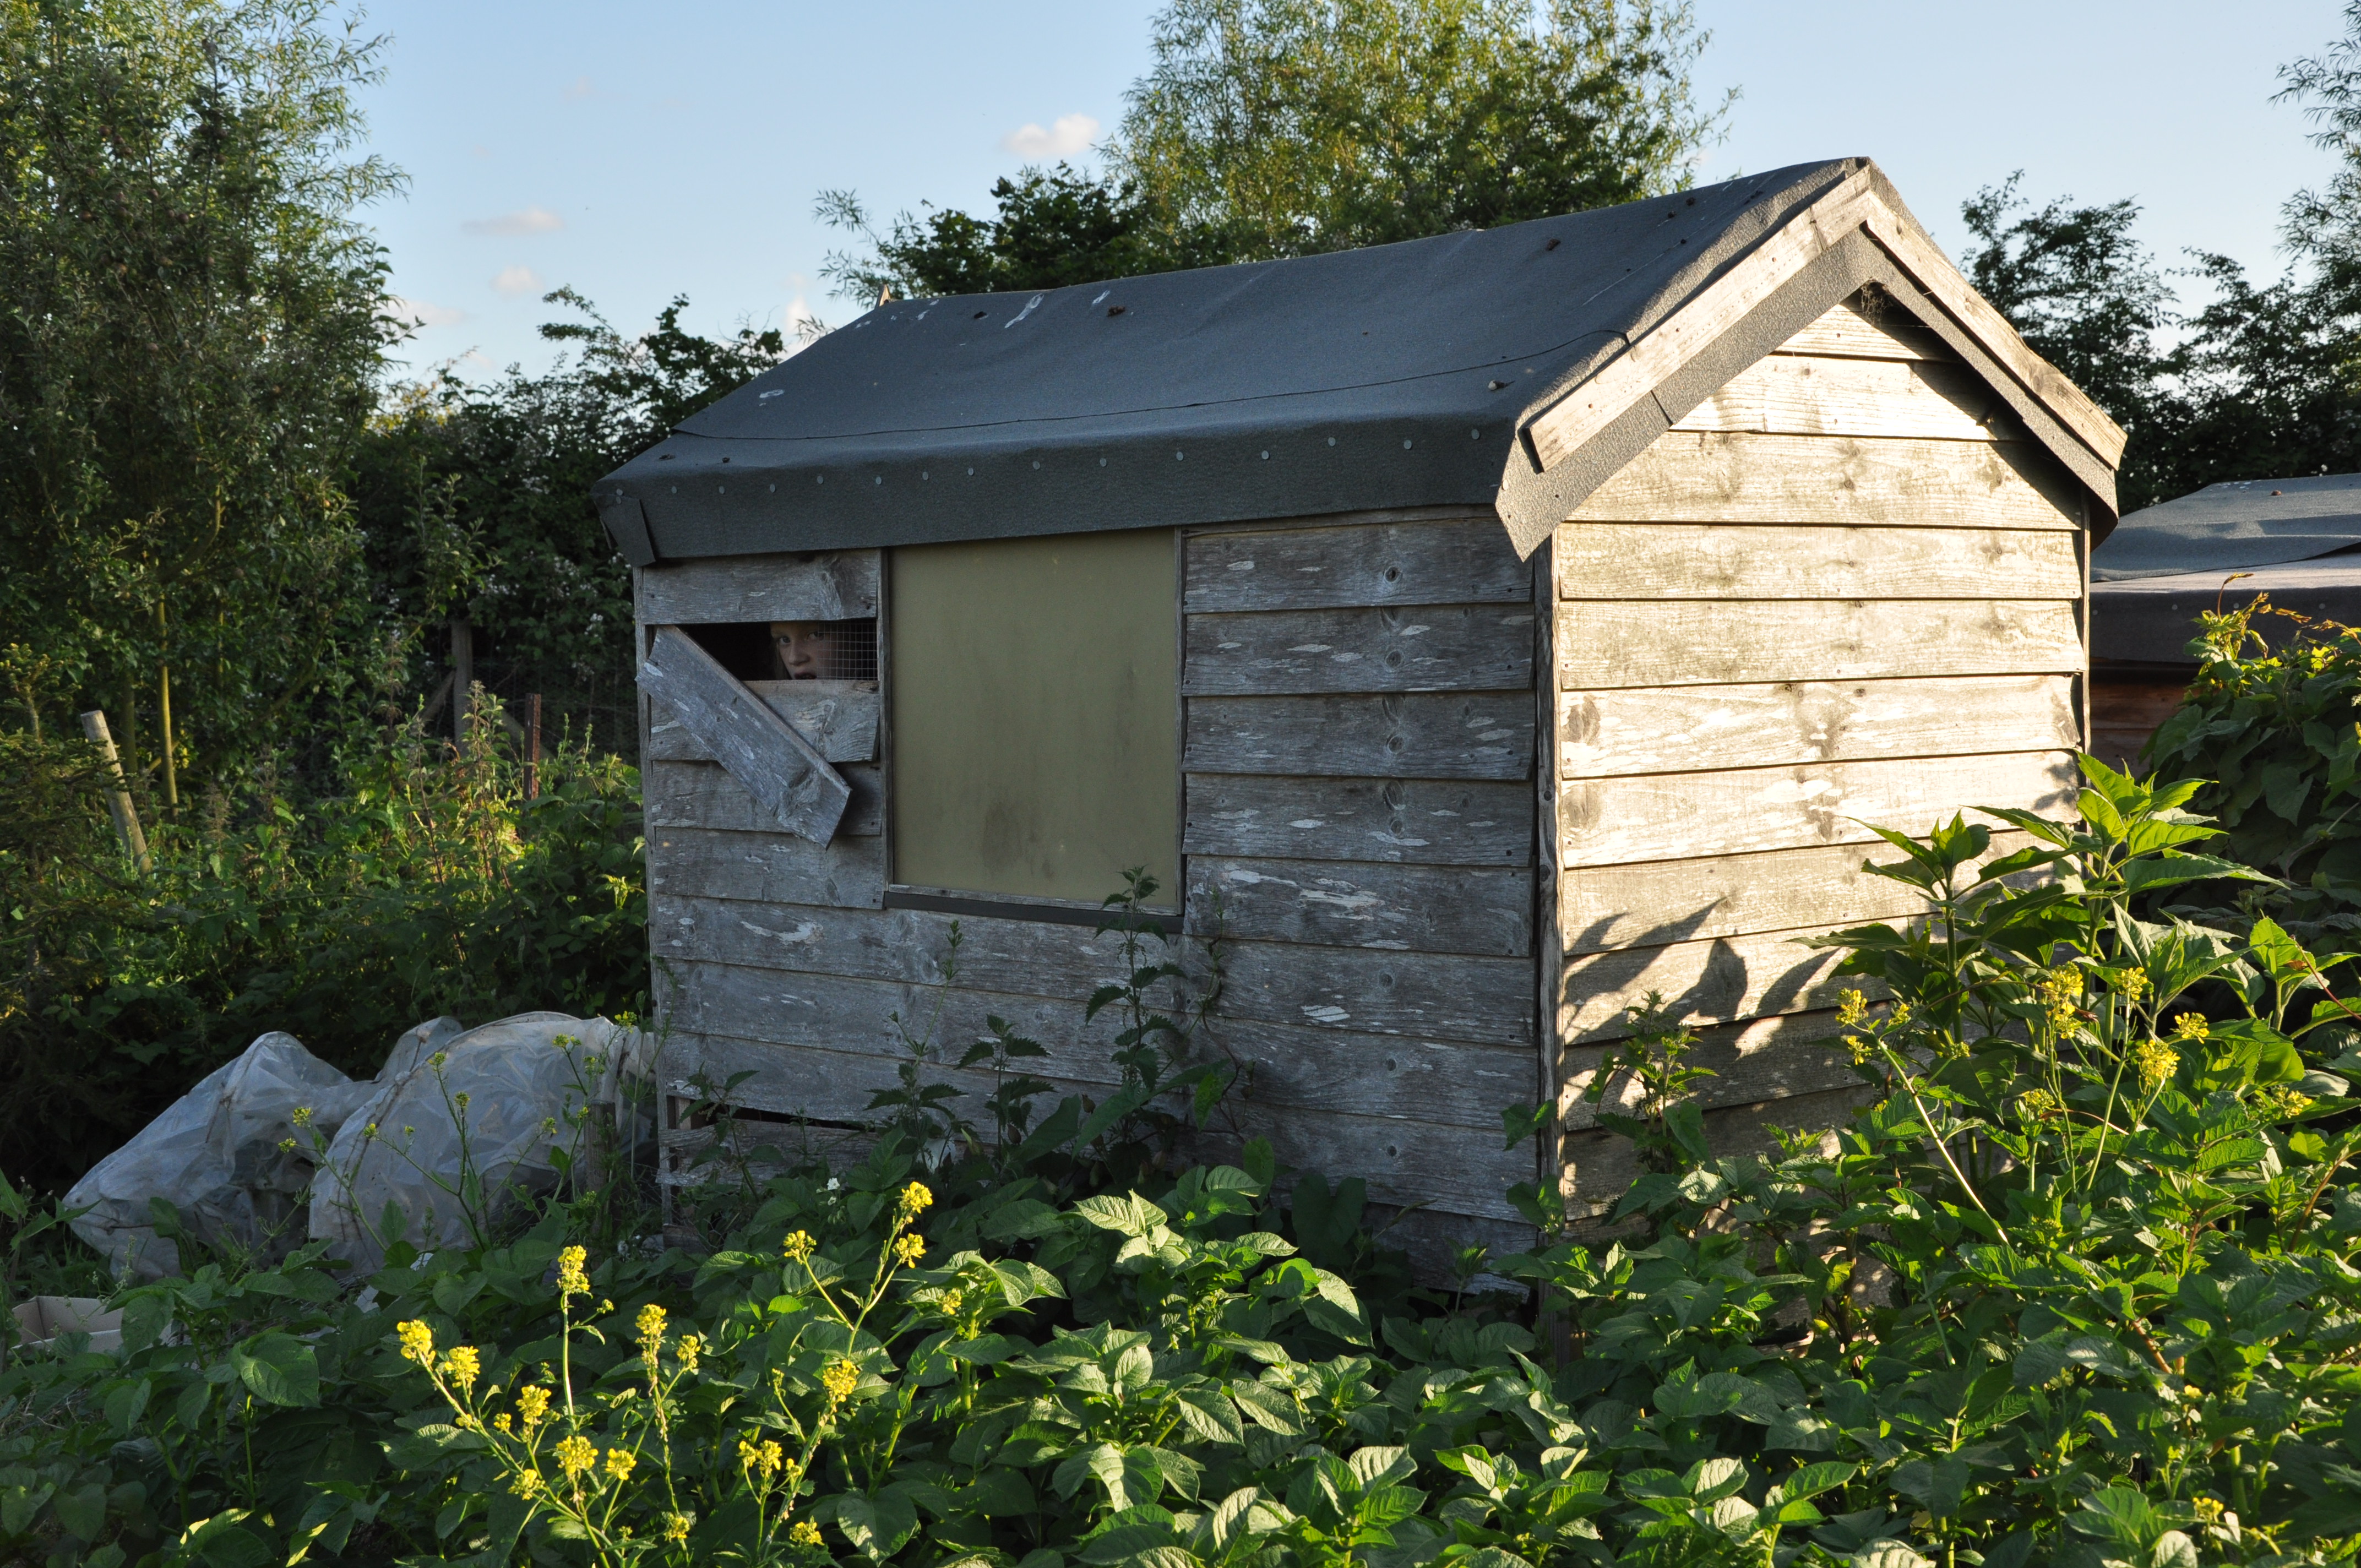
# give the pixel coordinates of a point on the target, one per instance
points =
(1936, 1485)
(1811, 1480)
(279, 1368)
(82, 1512)
(126, 1405)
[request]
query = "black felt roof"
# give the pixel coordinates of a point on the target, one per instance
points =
(1390, 377)
(2243, 522)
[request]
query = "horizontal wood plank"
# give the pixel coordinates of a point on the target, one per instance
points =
(839, 718)
(1427, 736)
(1846, 331)
(1727, 477)
(1456, 561)
(767, 868)
(1716, 982)
(832, 586)
(1665, 730)
(1736, 641)
(1794, 394)
(1683, 815)
(1427, 909)
(1653, 903)
(1812, 561)
(703, 795)
(1405, 821)
(1484, 1000)
(1028, 957)
(1456, 1086)
(1599, 1167)
(1419, 648)
(1753, 1062)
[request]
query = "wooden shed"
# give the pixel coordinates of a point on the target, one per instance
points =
(2218, 548)
(1495, 628)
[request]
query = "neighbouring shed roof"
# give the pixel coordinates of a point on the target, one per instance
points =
(2218, 549)
(1468, 368)
(2229, 527)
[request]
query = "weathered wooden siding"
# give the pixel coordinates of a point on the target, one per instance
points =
(1360, 824)
(1841, 590)
(1359, 703)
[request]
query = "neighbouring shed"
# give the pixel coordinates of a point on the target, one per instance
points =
(2216, 549)
(1495, 627)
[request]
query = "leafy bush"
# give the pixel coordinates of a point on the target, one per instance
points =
(2271, 731)
(430, 884)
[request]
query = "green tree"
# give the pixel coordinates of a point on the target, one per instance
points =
(475, 500)
(1282, 127)
(191, 335)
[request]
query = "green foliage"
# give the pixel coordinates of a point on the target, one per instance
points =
(475, 500)
(2076, 1285)
(188, 352)
(2271, 731)
(1280, 127)
(426, 886)
(1271, 128)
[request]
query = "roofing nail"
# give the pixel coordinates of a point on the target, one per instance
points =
(1405, 443)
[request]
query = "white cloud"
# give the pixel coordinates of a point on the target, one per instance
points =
(1067, 135)
(515, 280)
(423, 312)
(481, 150)
(514, 226)
(579, 89)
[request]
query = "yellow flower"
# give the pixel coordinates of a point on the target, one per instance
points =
(675, 1528)
(805, 1534)
(2281, 1100)
(2191, 1027)
(952, 1301)
(2038, 1105)
(763, 1458)
(500, 1423)
(532, 1404)
(2208, 1509)
(527, 1483)
(417, 1342)
(651, 1330)
(1862, 1049)
(2155, 1063)
(576, 1455)
(689, 1348)
(908, 1249)
(2133, 985)
(571, 1279)
(838, 1382)
(1851, 1008)
(620, 1461)
(466, 1422)
(798, 1246)
(463, 1366)
(914, 1196)
(2060, 991)
(302, 1116)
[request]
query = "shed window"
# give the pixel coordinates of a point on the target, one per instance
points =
(1034, 701)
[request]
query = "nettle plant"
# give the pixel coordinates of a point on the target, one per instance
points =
(2076, 1286)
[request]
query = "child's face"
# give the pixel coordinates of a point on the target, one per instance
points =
(805, 648)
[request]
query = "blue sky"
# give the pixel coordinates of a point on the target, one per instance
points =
(635, 152)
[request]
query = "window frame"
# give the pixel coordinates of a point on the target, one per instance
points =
(1035, 907)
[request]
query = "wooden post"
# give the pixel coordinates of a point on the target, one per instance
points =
(118, 796)
(463, 676)
(533, 746)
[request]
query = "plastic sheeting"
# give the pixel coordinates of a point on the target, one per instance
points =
(531, 1093)
(219, 1154)
(243, 1175)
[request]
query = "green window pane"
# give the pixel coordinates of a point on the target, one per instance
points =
(1034, 703)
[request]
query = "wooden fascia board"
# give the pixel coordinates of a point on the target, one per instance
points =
(778, 767)
(1565, 426)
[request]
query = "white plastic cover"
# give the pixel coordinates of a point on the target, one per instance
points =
(521, 1088)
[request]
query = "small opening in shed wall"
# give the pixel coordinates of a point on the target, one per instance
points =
(792, 649)
(1034, 711)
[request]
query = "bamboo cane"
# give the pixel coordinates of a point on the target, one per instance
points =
(118, 795)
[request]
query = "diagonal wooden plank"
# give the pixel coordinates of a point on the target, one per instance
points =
(783, 771)
(1563, 428)
(1932, 271)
